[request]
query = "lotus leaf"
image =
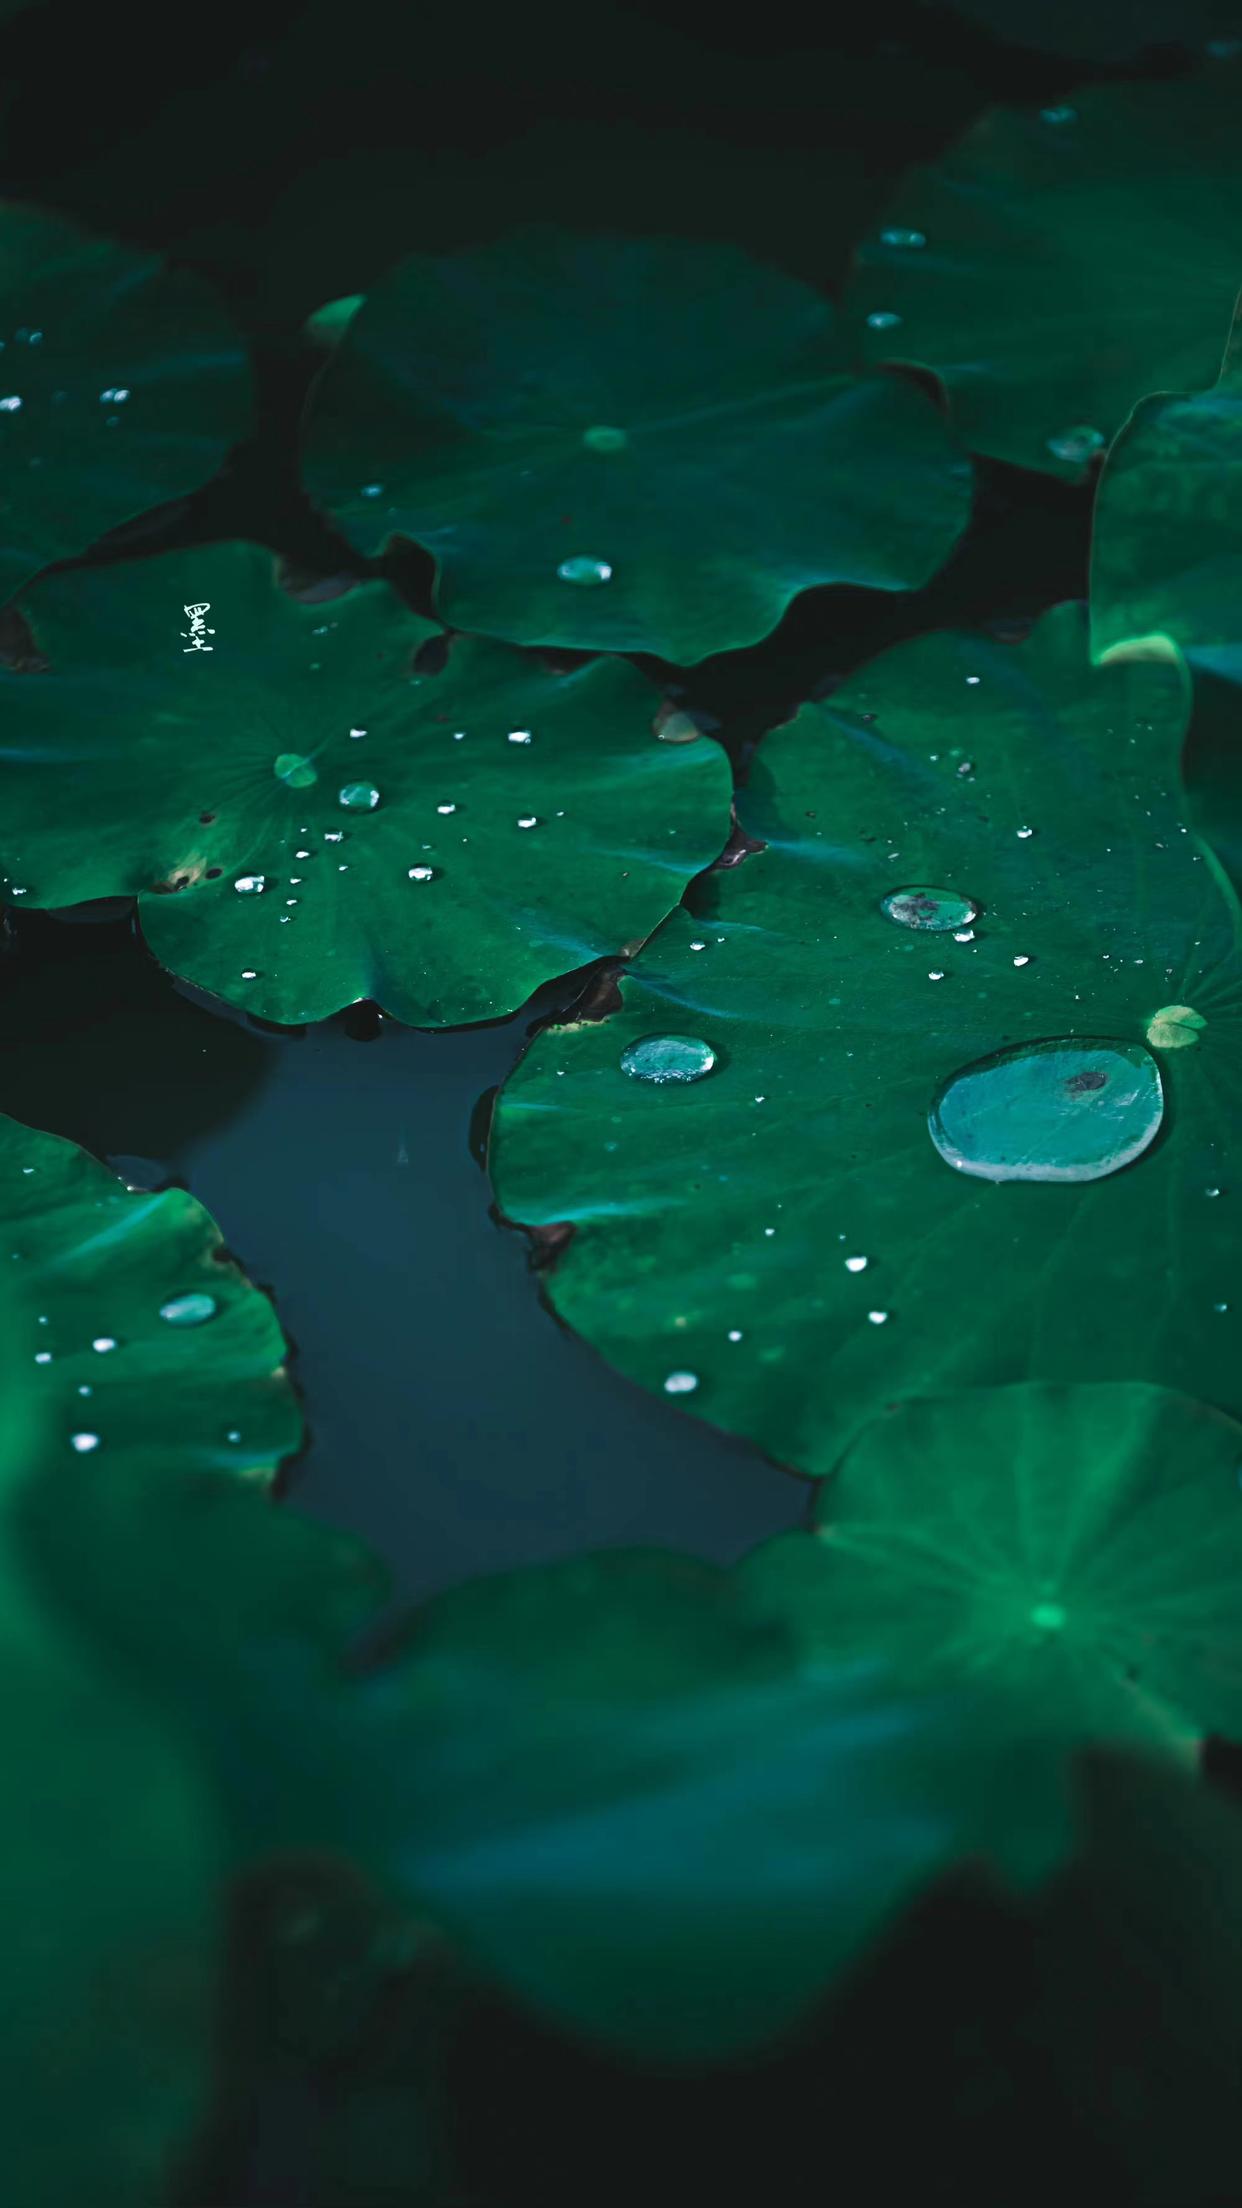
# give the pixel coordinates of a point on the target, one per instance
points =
(625, 444)
(124, 385)
(307, 820)
(1080, 1547)
(1058, 264)
(780, 1244)
(116, 1841)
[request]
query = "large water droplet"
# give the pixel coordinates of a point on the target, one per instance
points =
(938, 909)
(360, 797)
(583, 567)
(295, 771)
(191, 1310)
(663, 1058)
(600, 438)
(1079, 443)
(1063, 1110)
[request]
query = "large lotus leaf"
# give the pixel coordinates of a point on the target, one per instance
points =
(779, 1244)
(1103, 30)
(442, 843)
(1058, 264)
(124, 384)
(115, 1842)
(625, 444)
(1079, 1547)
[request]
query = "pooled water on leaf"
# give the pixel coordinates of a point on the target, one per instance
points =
(662, 1058)
(1061, 1110)
(191, 1310)
(583, 567)
(938, 909)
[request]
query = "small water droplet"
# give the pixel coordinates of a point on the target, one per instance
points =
(935, 974)
(1022, 959)
(446, 808)
(421, 873)
(1023, 833)
(910, 241)
(359, 797)
(334, 835)
(855, 1264)
(83, 1442)
(113, 396)
(249, 973)
(191, 1310)
(601, 438)
(294, 771)
(1058, 116)
(583, 567)
(664, 1058)
(250, 884)
(356, 733)
(519, 736)
(11, 404)
(883, 319)
(1211, 1192)
(1220, 1307)
(963, 935)
(528, 820)
(681, 1383)
(1061, 1110)
(698, 944)
(935, 909)
(1079, 443)
(104, 1342)
(372, 490)
(735, 1334)
(43, 1356)
(878, 1318)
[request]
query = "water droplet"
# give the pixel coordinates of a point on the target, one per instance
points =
(446, 808)
(1174, 1027)
(528, 820)
(735, 1334)
(334, 835)
(662, 1058)
(249, 973)
(1023, 833)
(1211, 1192)
(372, 490)
(582, 567)
(935, 973)
(113, 396)
(1079, 443)
(698, 944)
(681, 1383)
(1062, 1110)
(602, 439)
(356, 733)
(936, 909)
(963, 935)
(1022, 959)
(292, 769)
(191, 1310)
(359, 797)
(103, 1342)
(678, 728)
(519, 735)
(855, 1264)
(878, 1318)
(10, 405)
(421, 873)
(1048, 1616)
(883, 319)
(43, 1356)
(250, 884)
(83, 1442)
(910, 241)
(1058, 116)
(1220, 1307)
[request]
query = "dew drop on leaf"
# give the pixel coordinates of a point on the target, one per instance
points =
(359, 797)
(191, 1310)
(663, 1058)
(583, 567)
(937, 909)
(1062, 1110)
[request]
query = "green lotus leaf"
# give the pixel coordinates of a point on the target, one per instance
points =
(1058, 264)
(625, 444)
(904, 1171)
(124, 384)
(1105, 30)
(1166, 555)
(307, 821)
(1079, 1547)
(116, 1845)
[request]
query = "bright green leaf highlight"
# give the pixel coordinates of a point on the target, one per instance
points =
(466, 405)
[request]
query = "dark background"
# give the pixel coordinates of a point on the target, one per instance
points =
(290, 154)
